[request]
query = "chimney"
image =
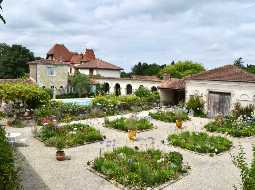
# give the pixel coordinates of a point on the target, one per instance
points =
(89, 55)
(166, 76)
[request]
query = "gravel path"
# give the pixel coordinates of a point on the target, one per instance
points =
(210, 173)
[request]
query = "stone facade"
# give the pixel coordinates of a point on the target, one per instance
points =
(59, 80)
(243, 92)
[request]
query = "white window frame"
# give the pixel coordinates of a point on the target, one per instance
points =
(49, 72)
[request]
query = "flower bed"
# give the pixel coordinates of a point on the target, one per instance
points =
(72, 135)
(168, 116)
(101, 106)
(235, 127)
(140, 169)
(125, 124)
(200, 142)
(8, 173)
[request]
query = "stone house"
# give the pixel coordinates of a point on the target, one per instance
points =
(60, 62)
(219, 88)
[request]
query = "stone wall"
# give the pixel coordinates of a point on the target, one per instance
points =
(242, 92)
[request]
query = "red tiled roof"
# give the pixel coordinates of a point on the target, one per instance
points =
(174, 84)
(98, 64)
(89, 55)
(47, 62)
(76, 58)
(60, 52)
(225, 73)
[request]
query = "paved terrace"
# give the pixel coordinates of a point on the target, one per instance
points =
(42, 171)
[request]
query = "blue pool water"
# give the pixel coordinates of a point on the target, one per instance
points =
(78, 101)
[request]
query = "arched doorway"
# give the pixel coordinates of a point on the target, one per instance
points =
(129, 89)
(106, 88)
(154, 89)
(117, 89)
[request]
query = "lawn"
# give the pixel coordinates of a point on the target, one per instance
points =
(140, 169)
(200, 142)
(73, 134)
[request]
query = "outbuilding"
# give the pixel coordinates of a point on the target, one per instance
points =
(219, 88)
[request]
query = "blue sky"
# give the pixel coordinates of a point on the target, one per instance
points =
(125, 32)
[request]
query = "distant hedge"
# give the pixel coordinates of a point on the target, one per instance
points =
(8, 173)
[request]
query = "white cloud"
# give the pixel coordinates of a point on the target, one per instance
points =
(127, 31)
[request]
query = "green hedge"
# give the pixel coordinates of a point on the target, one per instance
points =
(8, 173)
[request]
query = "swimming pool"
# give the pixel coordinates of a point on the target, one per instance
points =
(78, 101)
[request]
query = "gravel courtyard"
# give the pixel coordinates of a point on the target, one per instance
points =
(42, 171)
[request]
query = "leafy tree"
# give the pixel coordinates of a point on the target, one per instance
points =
(239, 62)
(123, 74)
(1, 17)
(147, 69)
(80, 83)
(250, 68)
(13, 60)
(143, 92)
(182, 69)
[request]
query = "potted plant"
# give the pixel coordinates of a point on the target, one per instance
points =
(178, 115)
(60, 145)
(132, 129)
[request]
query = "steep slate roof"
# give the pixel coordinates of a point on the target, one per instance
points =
(98, 64)
(225, 73)
(47, 62)
(60, 52)
(174, 84)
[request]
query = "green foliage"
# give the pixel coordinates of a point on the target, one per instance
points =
(125, 124)
(242, 111)
(169, 116)
(250, 69)
(200, 142)
(13, 60)
(8, 173)
(80, 83)
(140, 169)
(182, 69)
(30, 95)
(247, 173)
(196, 105)
(69, 135)
(143, 92)
(147, 69)
(232, 127)
(62, 111)
(67, 95)
(239, 62)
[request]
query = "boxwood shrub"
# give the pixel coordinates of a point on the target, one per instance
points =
(200, 142)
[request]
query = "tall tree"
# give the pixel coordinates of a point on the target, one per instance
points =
(239, 62)
(147, 69)
(13, 60)
(1, 17)
(182, 69)
(80, 83)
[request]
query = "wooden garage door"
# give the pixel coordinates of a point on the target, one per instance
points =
(218, 102)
